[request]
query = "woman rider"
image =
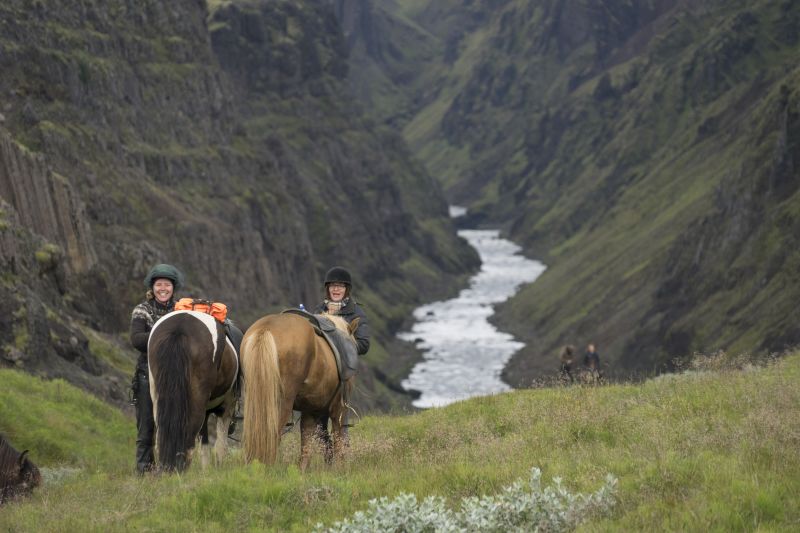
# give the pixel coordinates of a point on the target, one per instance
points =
(338, 301)
(162, 282)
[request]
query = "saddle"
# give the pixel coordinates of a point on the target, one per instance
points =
(343, 348)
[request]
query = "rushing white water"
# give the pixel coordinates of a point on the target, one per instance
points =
(464, 354)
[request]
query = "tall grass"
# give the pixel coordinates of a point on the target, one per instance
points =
(702, 450)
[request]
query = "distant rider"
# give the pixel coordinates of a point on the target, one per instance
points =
(591, 361)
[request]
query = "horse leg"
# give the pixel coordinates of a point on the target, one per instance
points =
(308, 430)
(203, 438)
(223, 422)
(340, 411)
(339, 434)
(324, 437)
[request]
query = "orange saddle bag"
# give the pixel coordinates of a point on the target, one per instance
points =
(216, 309)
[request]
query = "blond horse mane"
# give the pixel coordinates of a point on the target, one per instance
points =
(339, 322)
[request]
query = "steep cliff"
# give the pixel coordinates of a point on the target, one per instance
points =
(222, 139)
(36, 276)
(646, 151)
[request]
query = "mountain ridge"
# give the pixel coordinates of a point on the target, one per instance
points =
(612, 140)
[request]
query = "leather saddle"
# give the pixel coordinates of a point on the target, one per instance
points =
(343, 348)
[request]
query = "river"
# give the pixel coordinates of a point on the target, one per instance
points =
(463, 353)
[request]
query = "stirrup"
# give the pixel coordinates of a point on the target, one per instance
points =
(290, 425)
(344, 420)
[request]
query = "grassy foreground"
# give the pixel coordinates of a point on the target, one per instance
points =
(715, 450)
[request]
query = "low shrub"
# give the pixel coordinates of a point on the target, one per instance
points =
(517, 508)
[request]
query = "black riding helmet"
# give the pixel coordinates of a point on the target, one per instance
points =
(167, 272)
(338, 275)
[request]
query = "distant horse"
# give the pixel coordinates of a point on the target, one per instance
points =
(286, 366)
(18, 475)
(193, 368)
(567, 357)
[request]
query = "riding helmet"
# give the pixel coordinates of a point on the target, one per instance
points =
(167, 272)
(337, 275)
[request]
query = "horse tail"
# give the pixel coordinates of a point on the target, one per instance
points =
(172, 404)
(263, 390)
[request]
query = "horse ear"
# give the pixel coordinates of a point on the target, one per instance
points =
(353, 326)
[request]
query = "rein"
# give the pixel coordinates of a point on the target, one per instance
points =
(344, 402)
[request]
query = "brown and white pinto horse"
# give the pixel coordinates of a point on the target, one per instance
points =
(193, 368)
(286, 366)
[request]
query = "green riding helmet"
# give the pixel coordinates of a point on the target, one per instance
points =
(164, 271)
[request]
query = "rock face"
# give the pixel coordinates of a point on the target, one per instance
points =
(646, 151)
(226, 142)
(47, 204)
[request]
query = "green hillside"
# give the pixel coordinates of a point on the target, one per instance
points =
(714, 448)
(647, 152)
(63, 426)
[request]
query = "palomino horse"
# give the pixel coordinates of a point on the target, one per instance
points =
(193, 368)
(286, 366)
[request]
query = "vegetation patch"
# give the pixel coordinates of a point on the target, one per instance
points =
(711, 450)
(62, 425)
(517, 508)
(110, 351)
(48, 256)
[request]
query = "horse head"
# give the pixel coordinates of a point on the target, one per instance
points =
(18, 475)
(29, 476)
(567, 353)
(352, 327)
